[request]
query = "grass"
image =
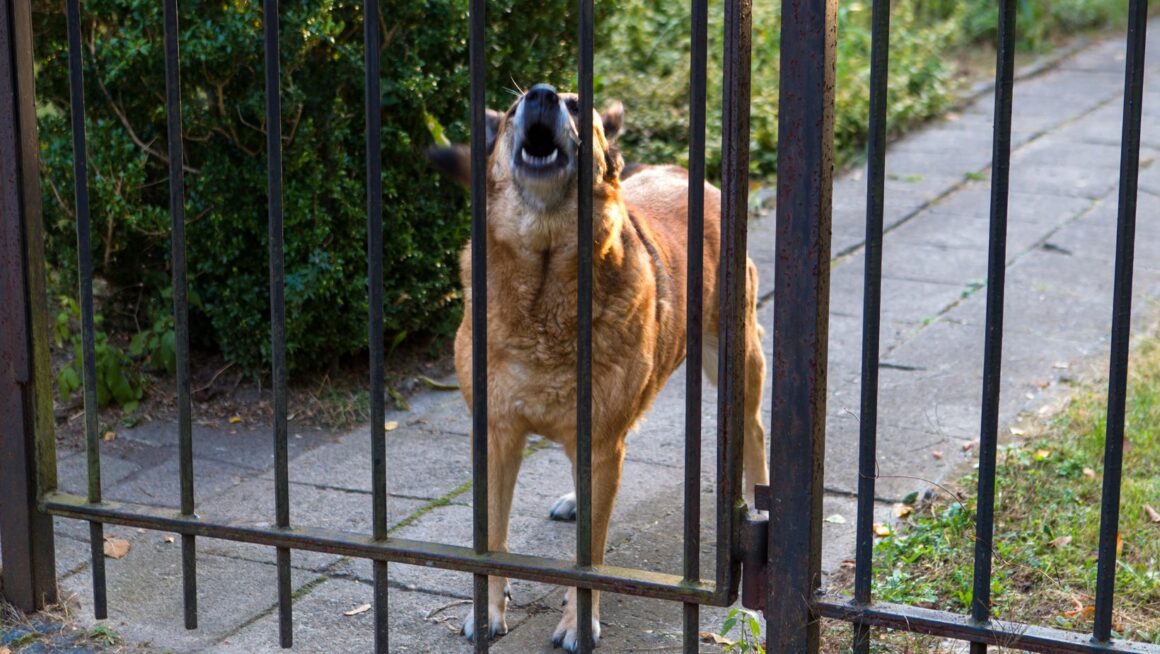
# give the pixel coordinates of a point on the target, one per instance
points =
(1046, 526)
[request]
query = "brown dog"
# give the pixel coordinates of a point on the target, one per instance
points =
(638, 300)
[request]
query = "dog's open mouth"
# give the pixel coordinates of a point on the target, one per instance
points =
(539, 153)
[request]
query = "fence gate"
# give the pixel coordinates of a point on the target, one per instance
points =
(782, 554)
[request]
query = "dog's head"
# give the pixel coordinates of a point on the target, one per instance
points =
(534, 148)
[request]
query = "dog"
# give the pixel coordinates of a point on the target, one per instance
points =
(638, 310)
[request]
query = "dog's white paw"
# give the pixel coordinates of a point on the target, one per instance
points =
(564, 508)
(568, 636)
(496, 618)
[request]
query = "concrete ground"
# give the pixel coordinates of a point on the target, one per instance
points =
(1058, 311)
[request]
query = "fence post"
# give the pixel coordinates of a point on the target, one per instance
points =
(27, 445)
(800, 323)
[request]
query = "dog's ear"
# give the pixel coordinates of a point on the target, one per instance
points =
(613, 119)
(455, 160)
(491, 122)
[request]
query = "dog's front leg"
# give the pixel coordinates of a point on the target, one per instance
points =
(505, 448)
(607, 464)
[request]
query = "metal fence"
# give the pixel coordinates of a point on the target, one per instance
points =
(782, 554)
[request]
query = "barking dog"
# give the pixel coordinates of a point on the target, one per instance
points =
(638, 306)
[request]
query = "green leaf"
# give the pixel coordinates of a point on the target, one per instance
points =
(436, 130)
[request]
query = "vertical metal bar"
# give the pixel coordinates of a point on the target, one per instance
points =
(698, 84)
(27, 443)
(1121, 319)
(85, 278)
(993, 340)
(800, 321)
(277, 311)
(374, 119)
(584, 329)
(479, 431)
(731, 330)
(180, 304)
(871, 313)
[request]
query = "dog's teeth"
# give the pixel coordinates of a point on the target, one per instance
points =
(552, 157)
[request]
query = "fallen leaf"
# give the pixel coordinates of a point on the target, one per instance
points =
(169, 539)
(836, 519)
(1018, 431)
(116, 548)
(1042, 455)
(716, 639)
(1153, 515)
(1061, 365)
(391, 425)
(881, 530)
(361, 608)
(903, 510)
(968, 446)
(235, 420)
(937, 454)
(1060, 542)
(1119, 544)
(849, 563)
(1089, 474)
(1043, 384)
(109, 436)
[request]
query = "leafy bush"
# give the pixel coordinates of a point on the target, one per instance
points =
(424, 63)
(644, 60)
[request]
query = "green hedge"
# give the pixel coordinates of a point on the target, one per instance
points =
(425, 89)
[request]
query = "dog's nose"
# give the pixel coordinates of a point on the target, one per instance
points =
(541, 104)
(542, 95)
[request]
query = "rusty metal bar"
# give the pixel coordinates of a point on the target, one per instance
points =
(277, 311)
(373, 107)
(85, 292)
(800, 321)
(731, 330)
(479, 426)
(1010, 635)
(396, 550)
(1121, 318)
(27, 443)
(694, 293)
(871, 312)
(584, 631)
(180, 304)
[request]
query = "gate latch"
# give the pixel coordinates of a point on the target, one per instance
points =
(755, 552)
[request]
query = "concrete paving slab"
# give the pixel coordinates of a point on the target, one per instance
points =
(421, 464)
(145, 605)
(252, 503)
(321, 625)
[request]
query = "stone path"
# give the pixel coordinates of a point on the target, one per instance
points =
(1058, 308)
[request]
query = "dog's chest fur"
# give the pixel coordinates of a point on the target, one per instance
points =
(532, 317)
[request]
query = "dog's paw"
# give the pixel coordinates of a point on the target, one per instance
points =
(564, 508)
(568, 636)
(496, 624)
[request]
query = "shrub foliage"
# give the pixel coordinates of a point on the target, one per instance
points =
(424, 92)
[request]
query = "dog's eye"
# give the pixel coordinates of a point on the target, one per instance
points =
(573, 105)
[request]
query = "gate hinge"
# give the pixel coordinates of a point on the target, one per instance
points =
(755, 552)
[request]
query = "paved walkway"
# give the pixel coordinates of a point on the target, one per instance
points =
(1060, 250)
